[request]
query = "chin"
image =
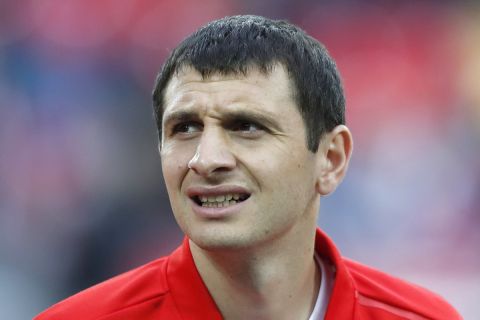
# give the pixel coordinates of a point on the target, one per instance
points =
(219, 241)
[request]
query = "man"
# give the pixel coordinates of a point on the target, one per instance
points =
(250, 114)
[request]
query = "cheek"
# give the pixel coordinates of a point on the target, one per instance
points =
(286, 176)
(174, 165)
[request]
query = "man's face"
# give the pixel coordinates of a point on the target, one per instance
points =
(234, 158)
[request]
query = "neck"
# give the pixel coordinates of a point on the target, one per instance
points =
(277, 280)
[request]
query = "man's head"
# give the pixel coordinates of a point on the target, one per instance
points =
(235, 45)
(233, 148)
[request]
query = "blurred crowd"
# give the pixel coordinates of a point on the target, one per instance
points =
(81, 190)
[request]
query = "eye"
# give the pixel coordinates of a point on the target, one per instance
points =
(189, 127)
(247, 129)
(246, 126)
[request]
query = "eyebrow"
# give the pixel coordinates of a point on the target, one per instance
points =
(252, 116)
(227, 116)
(179, 116)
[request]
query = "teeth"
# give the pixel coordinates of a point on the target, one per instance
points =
(220, 198)
(225, 203)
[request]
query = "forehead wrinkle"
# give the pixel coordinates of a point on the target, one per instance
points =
(190, 76)
(189, 91)
(198, 101)
(189, 97)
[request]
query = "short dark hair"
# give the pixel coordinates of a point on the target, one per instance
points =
(233, 45)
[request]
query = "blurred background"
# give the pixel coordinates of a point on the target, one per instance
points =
(81, 189)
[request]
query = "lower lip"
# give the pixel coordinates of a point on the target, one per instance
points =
(217, 213)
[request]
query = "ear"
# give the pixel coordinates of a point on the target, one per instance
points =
(334, 154)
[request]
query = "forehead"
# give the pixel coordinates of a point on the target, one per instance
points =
(189, 88)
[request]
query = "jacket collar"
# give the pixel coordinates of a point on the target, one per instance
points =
(192, 298)
(189, 293)
(342, 300)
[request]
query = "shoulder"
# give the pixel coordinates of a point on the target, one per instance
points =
(140, 286)
(380, 291)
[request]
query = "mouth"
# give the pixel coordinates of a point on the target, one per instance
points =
(220, 200)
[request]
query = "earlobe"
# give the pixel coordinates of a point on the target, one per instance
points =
(334, 151)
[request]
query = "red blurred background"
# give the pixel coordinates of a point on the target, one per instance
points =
(81, 190)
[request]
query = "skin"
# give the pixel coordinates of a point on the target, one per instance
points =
(245, 132)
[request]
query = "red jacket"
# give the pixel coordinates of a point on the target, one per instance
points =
(171, 288)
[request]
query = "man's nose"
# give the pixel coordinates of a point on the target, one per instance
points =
(213, 154)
